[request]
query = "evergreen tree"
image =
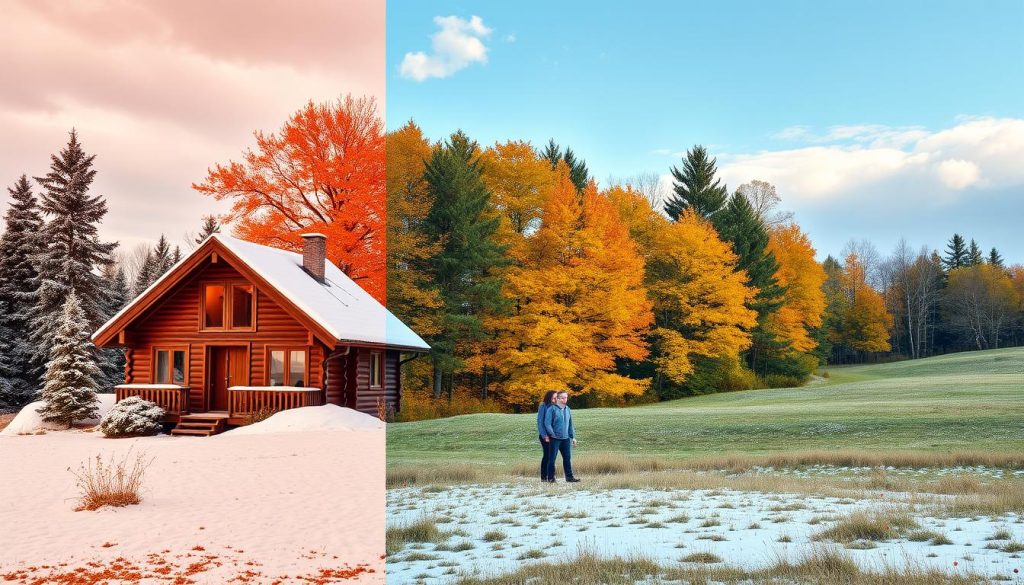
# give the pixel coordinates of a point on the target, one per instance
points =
(69, 390)
(112, 360)
(696, 186)
(578, 172)
(956, 253)
(974, 255)
(995, 258)
(176, 256)
(210, 227)
(18, 246)
(72, 248)
(162, 258)
(145, 277)
(739, 224)
(462, 224)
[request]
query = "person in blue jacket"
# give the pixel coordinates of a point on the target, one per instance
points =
(559, 428)
(545, 440)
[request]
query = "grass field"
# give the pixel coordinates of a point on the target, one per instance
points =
(971, 401)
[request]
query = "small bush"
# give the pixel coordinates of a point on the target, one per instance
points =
(261, 414)
(133, 417)
(116, 482)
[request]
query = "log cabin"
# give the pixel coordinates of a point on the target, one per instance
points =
(237, 329)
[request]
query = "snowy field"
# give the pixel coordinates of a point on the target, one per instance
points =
(494, 529)
(298, 498)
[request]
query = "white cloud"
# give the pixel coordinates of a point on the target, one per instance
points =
(457, 45)
(876, 164)
(958, 174)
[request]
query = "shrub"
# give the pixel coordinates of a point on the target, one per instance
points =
(116, 482)
(133, 417)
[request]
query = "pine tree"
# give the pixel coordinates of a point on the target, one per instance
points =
(162, 258)
(112, 360)
(739, 224)
(578, 172)
(696, 187)
(72, 246)
(69, 391)
(956, 253)
(462, 224)
(210, 227)
(18, 246)
(974, 255)
(995, 258)
(145, 277)
(176, 256)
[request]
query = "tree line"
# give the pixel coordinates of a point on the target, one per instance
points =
(522, 272)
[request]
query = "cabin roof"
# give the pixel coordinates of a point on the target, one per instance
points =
(338, 306)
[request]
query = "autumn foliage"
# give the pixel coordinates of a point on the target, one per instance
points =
(323, 171)
(579, 301)
(802, 277)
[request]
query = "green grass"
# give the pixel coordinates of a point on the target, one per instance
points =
(967, 401)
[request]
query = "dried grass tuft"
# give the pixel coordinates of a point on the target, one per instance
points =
(115, 482)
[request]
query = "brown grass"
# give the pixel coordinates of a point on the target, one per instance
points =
(819, 566)
(874, 525)
(422, 530)
(439, 474)
(5, 419)
(114, 482)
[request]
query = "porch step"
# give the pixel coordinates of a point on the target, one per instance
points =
(202, 425)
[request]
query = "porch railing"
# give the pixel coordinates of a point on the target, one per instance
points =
(170, 397)
(245, 400)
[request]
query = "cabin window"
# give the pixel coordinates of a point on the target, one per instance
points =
(228, 306)
(213, 301)
(375, 369)
(287, 367)
(170, 367)
(241, 306)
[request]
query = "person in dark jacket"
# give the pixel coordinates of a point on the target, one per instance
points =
(558, 425)
(545, 440)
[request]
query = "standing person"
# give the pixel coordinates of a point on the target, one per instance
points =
(558, 425)
(545, 439)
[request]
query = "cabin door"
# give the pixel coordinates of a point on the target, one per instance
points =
(229, 366)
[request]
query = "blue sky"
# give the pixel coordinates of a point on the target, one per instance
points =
(873, 121)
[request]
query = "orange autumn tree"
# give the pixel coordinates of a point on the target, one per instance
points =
(700, 300)
(803, 303)
(520, 182)
(323, 171)
(578, 301)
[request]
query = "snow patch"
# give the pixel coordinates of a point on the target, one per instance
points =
(29, 421)
(329, 417)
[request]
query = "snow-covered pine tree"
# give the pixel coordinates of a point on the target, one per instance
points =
(72, 248)
(70, 383)
(8, 399)
(19, 244)
(112, 360)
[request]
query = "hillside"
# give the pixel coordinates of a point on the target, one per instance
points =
(965, 401)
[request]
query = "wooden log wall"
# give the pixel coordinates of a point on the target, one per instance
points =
(174, 322)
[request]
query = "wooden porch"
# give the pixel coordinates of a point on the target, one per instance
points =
(245, 403)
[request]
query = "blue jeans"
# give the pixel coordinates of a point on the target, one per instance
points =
(563, 446)
(544, 460)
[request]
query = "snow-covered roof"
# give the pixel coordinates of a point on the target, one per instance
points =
(340, 306)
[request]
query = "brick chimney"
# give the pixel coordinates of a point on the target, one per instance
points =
(314, 254)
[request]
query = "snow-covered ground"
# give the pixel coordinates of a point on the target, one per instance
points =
(494, 529)
(273, 504)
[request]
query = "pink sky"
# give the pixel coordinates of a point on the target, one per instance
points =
(161, 90)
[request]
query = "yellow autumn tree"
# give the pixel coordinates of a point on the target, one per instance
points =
(411, 295)
(864, 323)
(578, 302)
(803, 304)
(700, 300)
(520, 182)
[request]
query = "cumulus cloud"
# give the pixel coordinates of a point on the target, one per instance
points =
(458, 44)
(873, 161)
